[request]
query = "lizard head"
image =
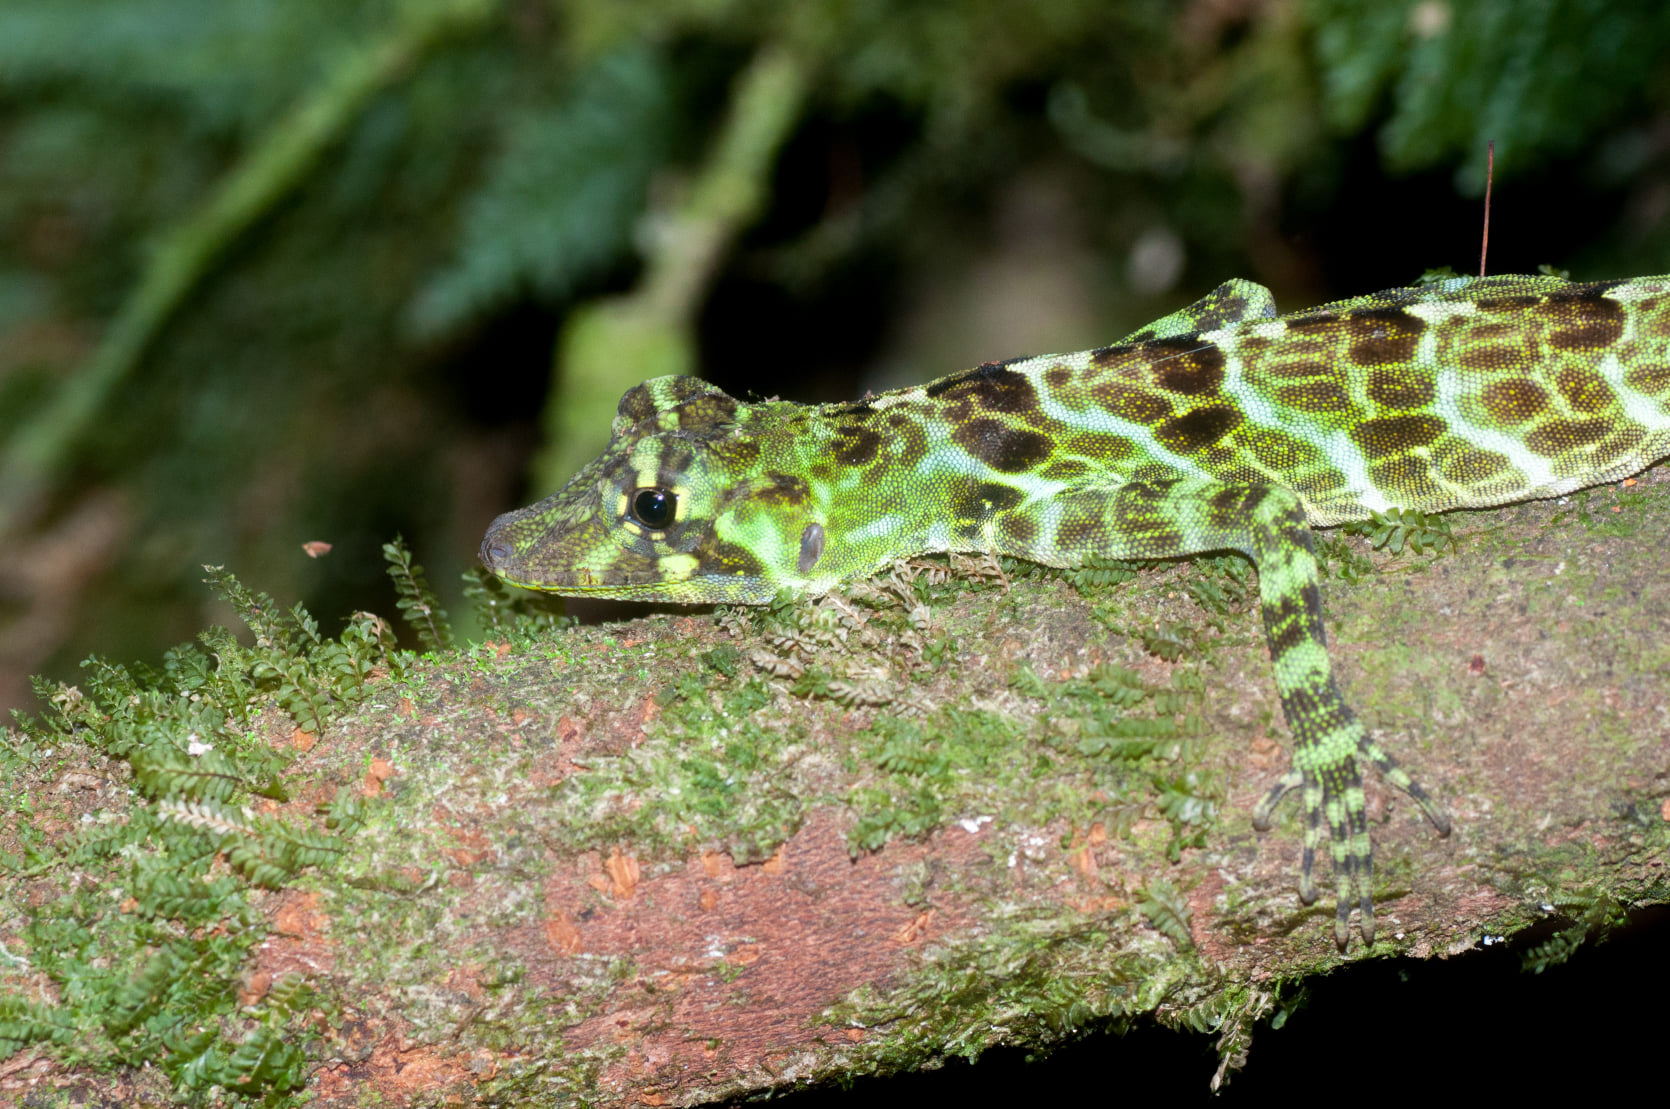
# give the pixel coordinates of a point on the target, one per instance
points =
(678, 508)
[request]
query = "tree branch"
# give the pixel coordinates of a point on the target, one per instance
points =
(629, 863)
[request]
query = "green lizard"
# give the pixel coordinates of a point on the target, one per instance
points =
(1220, 427)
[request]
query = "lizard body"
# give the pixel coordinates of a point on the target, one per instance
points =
(1220, 427)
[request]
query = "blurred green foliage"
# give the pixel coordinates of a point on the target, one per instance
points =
(1540, 77)
(559, 201)
(368, 346)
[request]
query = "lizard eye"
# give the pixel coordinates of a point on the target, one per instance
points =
(654, 508)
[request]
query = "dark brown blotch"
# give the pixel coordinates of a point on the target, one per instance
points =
(1494, 357)
(685, 388)
(1388, 435)
(1488, 332)
(1287, 625)
(1323, 482)
(1141, 520)
(707, 411)
(1131, 402)
(1231, 499)
(1255, 498)
(1623, 441)
(1017, 530)
(1105, 357)
(1411, 475)
(936, 389)
(1515, 400)
(1400, 387)
(1383, 335)
(1558, 436)
(1002, 390)
(1058, 377)
(1100, 446)
(1154, 474)
(982, 500)
(1584, 321)
(1585, 390)
(856, 445)
(1653, 316)
(1473, 465)
(1006, 449)
(1081, 527)
(1065, 469)
(636, 406)
(1230, 507)
(1320, 395)
(784, 489)
(1301, 368)
(957, 410)
(910, 444)
(1652, 379)
(677, 458)
(716, 557)
(1279, 451)
(992, 386)
(1186, 365)
(1198, 429)
(1225, 310)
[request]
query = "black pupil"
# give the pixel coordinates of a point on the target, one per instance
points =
(654, 507)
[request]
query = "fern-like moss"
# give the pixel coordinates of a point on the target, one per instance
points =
(150, 976)
(417, 602)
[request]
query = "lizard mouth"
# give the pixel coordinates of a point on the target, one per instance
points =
(505, 552)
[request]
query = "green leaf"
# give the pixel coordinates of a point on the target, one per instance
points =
(1538, 78)
(417, 603)
(1167, 910)
(560, 201)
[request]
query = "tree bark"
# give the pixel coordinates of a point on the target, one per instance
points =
(625, 864)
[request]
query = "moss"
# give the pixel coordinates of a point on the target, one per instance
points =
(1615, 511)
(136, 897)
(133, 905)
(1029, 980)
(715, 771)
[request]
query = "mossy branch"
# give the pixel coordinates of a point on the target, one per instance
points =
(668, 861)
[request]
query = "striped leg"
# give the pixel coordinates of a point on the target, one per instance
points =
(1327, 736)
(1267, 524)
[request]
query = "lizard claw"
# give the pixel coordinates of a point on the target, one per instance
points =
(1331, 790)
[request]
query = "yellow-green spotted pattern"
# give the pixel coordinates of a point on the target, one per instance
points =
(1220, 427)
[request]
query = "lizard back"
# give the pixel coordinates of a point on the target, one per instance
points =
(1465, 394)
(1219, 427)
(1461, 394)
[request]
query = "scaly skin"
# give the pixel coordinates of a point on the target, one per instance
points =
(1220, 427)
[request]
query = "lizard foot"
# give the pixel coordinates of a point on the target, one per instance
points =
(1331, 789)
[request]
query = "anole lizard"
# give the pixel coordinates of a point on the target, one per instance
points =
(1220, 427)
